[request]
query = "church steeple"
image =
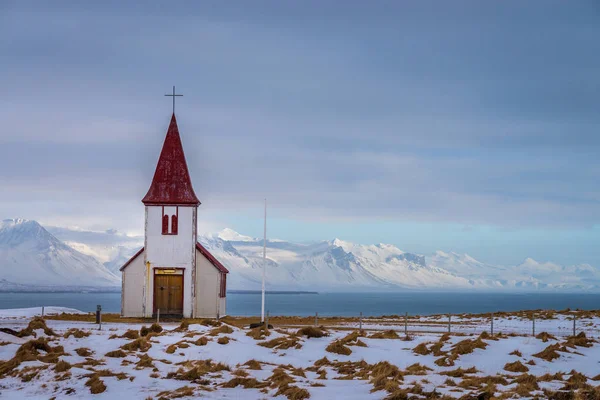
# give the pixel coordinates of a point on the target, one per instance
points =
(171, 184)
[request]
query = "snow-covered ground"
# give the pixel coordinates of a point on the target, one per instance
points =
(174, 365)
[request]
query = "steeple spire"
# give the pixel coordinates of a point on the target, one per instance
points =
(171, 183)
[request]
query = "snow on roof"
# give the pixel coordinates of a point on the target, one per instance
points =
(171, 183)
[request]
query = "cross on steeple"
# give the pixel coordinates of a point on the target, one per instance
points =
(174, 95)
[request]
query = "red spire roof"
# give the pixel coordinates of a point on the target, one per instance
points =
(171, 183)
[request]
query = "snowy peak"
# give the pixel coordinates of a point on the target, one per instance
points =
(232, 236)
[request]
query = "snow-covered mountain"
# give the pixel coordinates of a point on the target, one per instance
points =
(30, 255)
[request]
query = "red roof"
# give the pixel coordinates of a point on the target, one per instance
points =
(211, 258)
(199, 247)
(171, 183)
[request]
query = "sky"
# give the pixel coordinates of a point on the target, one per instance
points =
(462, 126)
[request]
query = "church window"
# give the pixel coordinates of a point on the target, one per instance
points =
(174, 225)
(223, 288)
(165, 225)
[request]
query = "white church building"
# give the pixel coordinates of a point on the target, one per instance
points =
(172, 274)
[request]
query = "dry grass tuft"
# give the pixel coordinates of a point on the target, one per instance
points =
(32, 351)
(282, 343)
(580, 340)
(197, 370)
(312, 332)
(421, 349)
(246, 383)
(253, 364)
(417, 369)
(544, 336)
(293, 392)
(62, 366)
(184, 391)
(202, 341)
(389, 334)
(145, 361)
(222, 329)
(131, 334)
(259, 333)
(116, 354)
(223, 339)
(338, 347)
(459, 372)
(35, 324)
(549, 353)
(141, 344)
(516, 353)
(84, 352)
(184, 326)
(516, 366)
(385, 376)
(576, 381)
(77, 333)
(96, 385)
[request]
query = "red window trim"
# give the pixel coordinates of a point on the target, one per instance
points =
(174, 219)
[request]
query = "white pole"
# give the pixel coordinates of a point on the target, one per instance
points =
(262, 312)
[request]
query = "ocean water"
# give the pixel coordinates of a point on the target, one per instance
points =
(336, 304)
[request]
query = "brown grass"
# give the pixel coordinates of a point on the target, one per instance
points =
(516, 353)
(32, 351)
(96, 385)
(145, 361)
(202, 341)
(35, 324)
(246, 383)
(84, 352)
(184, 391)
(222, 329)
(549, 353)
(580, 340)
(338, 347)
(417, 369)
(389, 334)
(459, 372)
(544, 336)
(197, 370)
(223, 339)
(421, 349)
(62, 366)
(141, 344)
(253, 364)
(312, 332)
(282, 343)
(258, 333)
(385, 376)
(516, 366)
(116, 354)
(77, 333)
(131, 334)
(576, 381)
(293, 392)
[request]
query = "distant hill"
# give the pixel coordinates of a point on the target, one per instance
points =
(32, 255)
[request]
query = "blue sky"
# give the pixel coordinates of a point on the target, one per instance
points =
(467, 126)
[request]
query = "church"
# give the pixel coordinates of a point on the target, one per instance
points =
(173, 274)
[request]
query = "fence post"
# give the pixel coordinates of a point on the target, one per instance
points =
(574, 324)
(492, 327)
(158, 316)
(533, 319)
(449, 323)
(360, 321)
(42, 311)
(406, 323)
(316, 319)
(99, 316)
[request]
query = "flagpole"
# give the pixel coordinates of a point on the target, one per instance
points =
(262, 314)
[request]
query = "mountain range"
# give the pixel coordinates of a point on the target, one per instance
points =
(32, 256)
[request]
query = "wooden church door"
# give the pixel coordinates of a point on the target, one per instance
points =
(168, 294)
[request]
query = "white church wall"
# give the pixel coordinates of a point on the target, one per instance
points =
(171, 251)
(133, 288)
(207, 288)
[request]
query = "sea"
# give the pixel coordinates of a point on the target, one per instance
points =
(336, 304)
